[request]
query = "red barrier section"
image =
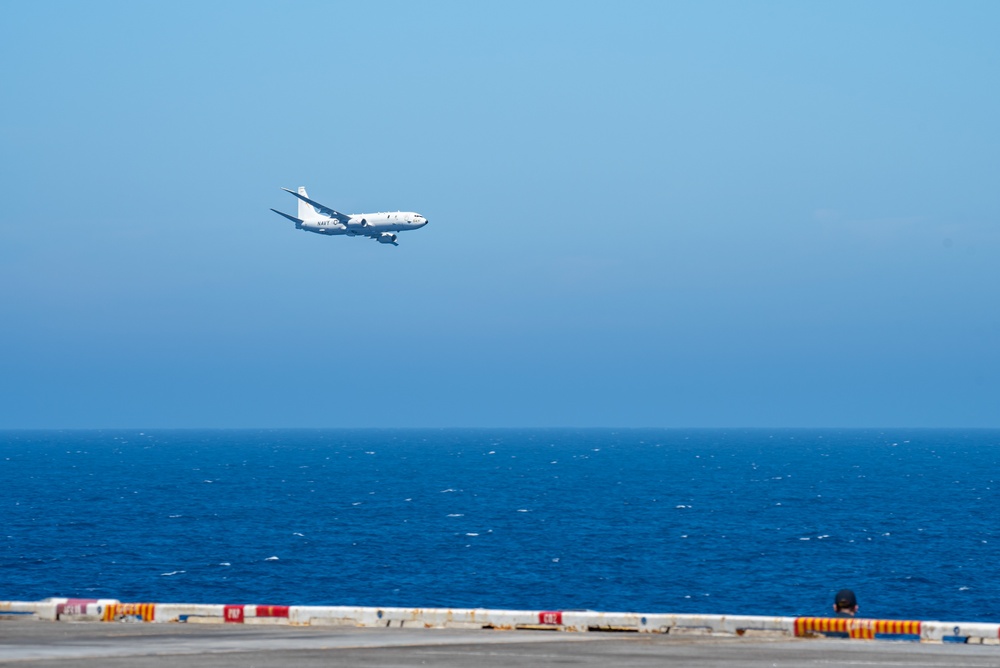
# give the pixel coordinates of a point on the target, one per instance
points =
(272, 611)
(232, 614)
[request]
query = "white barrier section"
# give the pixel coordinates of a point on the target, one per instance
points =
(970, 632)
(41, 609)
(188, 612)
(409, 617)
(679, 624)
(111, 610)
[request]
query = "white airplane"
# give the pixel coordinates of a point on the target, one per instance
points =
(321, 219)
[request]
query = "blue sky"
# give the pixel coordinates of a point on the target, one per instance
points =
(642, 214)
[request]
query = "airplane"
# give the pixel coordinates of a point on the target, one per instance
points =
(321, 219)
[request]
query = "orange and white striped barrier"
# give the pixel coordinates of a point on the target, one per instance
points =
(865, 629)
(114, 612)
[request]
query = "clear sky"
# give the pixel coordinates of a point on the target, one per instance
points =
(715, 214)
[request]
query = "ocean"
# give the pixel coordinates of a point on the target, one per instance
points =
(762, 521)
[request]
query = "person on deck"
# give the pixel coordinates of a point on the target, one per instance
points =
(845, 603)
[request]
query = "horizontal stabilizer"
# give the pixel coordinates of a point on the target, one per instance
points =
(298, 222)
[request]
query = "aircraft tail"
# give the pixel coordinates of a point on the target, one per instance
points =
(306, 212)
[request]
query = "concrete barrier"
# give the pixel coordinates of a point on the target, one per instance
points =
(108, 610)
(40, 609)
(188, 612)
(969, 632)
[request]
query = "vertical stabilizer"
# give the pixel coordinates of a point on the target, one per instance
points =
(306, 212)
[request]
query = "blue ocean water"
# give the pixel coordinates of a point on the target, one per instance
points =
(710, 521)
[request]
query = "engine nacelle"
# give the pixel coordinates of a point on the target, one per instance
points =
(357, 223)
(386, 238)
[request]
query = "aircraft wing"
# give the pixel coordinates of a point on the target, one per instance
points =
(323, 209)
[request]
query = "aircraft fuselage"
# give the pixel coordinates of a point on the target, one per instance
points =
(367, 224)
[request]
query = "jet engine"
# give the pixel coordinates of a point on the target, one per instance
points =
(386, 238)
(357, 224)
